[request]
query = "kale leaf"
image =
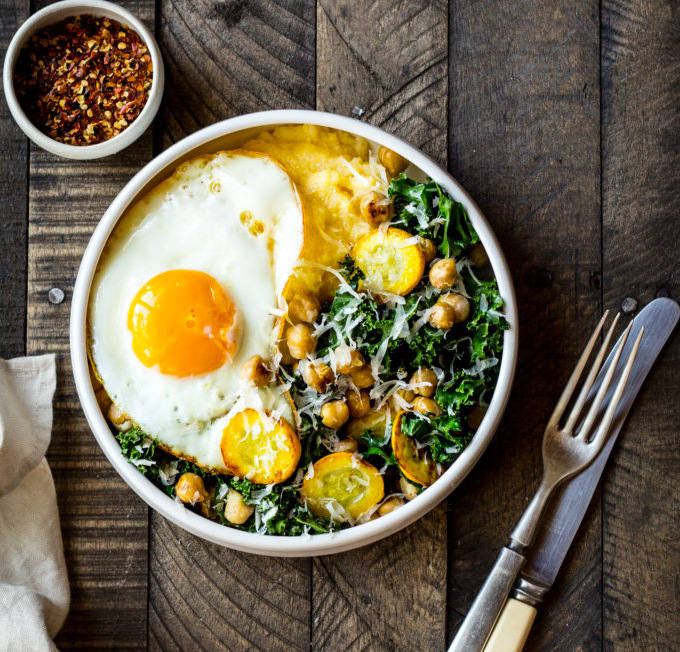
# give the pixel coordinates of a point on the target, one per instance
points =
(445, 435)
(423, 207)
(378, 448)
(150, 459)
(279, 511)
(135, 445)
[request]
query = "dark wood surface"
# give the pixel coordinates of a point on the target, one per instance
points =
(562, 120)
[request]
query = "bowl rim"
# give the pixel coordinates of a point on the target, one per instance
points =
(51, 14)
(276, 545)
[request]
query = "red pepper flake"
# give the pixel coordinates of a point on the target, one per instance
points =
(84, 79)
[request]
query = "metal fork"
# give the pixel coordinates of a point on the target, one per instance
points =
(567, 450)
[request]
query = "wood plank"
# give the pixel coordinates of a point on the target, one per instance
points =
(391, 595)
(222, 60)
(13, 206)
(226, 59)
(104, 524)
(204, 597)
(641, 203)
(523, 138)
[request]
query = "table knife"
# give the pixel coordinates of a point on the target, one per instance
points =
(570, 504)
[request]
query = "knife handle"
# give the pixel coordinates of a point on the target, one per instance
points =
(479, 622)
(512, 627)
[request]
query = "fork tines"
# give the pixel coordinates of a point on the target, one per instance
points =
(583, 431)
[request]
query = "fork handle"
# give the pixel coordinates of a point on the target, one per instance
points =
(525, 531)
(479, 622)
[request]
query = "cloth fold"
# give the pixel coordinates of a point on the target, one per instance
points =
(34, 591)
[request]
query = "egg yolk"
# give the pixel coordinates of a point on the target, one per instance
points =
(184, 322)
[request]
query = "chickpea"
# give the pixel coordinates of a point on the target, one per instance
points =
(362, 377)
(375, 208)
(317, 375)
(115, 415)
(236, 510)
(409, 490)
(190, 489)
(393, 162)
(346, 446)
(334, 414)
(478, 255)
(254, 371)
(348, 360)
(423, 375)
(426, 406)
(475, 416)
(359, 403)
(429, 249)
(441, 316)
(390, 505)
(301, 341)
(459, 304)
(123, 427)
(402, 399)
(443, 273)
(121, 421)
(304, 308)
(206, 507)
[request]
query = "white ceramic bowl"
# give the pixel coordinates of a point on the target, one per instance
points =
(53, 14)
(230, 134)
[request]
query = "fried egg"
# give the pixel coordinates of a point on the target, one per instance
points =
(187, 290)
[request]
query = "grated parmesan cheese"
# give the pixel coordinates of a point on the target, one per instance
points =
(168, 472)
(143, 462)
(330, 270)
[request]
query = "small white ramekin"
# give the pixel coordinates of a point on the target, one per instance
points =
(231, 134)
(53, 14)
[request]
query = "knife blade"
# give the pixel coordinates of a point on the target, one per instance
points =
(570, 504)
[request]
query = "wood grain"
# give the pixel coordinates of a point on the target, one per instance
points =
(13, 206)
(223, 59)
(523, 136)
(641, 203)
(207, 598)
(104, 524)
(388, 59)
(228, 58)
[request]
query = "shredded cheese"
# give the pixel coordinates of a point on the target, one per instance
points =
(330, 270)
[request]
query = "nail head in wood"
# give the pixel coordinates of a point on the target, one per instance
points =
(55, 296)
(629, 305)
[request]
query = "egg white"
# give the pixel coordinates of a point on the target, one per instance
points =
(200, 219)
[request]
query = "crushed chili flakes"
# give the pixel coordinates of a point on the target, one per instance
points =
(84, 79)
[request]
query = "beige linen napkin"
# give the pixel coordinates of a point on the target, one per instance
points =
(34, 592)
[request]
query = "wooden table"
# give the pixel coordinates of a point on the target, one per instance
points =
(562, 119)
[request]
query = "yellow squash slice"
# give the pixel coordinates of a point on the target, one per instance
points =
(374, 422)
(414, 464)
(259, 448)
(388, 262)
(342, 484)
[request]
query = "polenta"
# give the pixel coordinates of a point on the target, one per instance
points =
(332, 170)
